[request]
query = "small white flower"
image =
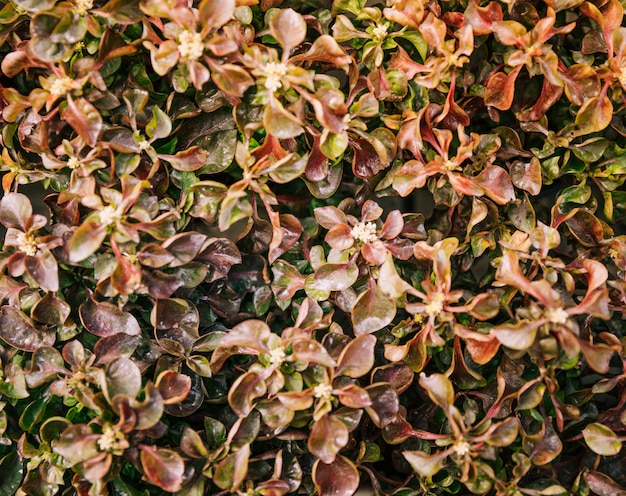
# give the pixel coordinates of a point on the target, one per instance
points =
(73, 162)
(556, 316)
(60, 86)
(435, 307)
(323, 391)
(26, 244)
(83, 6)
(190, 45)
(274, 72)
(365, 232)
(143, 144)
(461, 447)
(112, 440)
(109, 215)
(277, 355)
(380, 31)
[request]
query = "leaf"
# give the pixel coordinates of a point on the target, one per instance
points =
(309, 351)
(163, 467)
(244, 391)
(500, 89)
(367, 160)
(18, 331)
(15, 209)
(123, 377)
(357, 358)
(594, 115)
(372, 311)
(84, 118)
(12, 468)
(336, 276)
(439, 389)
(105, 319)
(602, 484)
(339, 478)
(504, 433)
(527, 175)
(544, 446)
(159, 126)
(189, 160)
(423, 464)
(328, 436)
(232, 470)
(279, 122)
(385, 404)
(288, 28)
(517, 336)
(602, 440)
(214, 14)
(497, 184)
(86, 240)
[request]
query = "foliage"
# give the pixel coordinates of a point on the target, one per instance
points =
(232, 289)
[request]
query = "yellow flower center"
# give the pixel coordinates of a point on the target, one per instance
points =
(365, 232)
(190, 45)
(435, 307)
(26, 244)
(274, 72)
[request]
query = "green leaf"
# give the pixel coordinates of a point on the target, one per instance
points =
(12, 470)
(602, 440)
(231, 471)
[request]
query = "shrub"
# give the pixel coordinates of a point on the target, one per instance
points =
(291, 247)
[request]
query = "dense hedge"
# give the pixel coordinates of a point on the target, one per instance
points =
(232, 288)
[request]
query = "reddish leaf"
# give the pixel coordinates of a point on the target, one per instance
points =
(18, 331)
(372, 311)
(173, 386)
(357, 358)
(366, 161)
(328, 436)
(385, 404)
(500, 89)
(339, 478)
(105, 319)
(84, 118)
(163, 467)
